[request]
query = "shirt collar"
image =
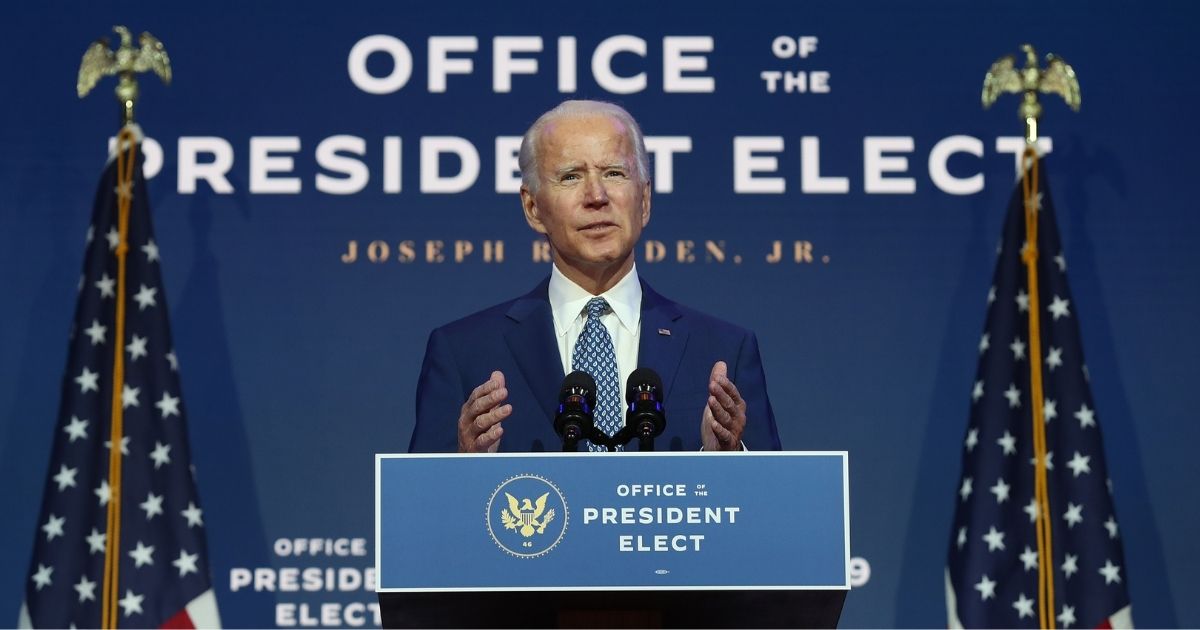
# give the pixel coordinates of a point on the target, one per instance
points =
(567, 300)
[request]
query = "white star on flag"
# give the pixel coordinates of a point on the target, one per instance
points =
(145, 297)
(96, 332)
(42, 577)
(1059, 308)
(1008, 443)
(173, 361)
(136, 347)
(991, 295)
(1086, 417)
(54, 527)
(1050, 409)
(124, 190)
(1070, 565)
(124, 445)
(113, 237)
(1074, 515)
(1054, 358)
(151, 251)
(106, 284)
(95, 541)
(168, 405)
(152, 505)
(76, 429)
(986, 588)
(1018, 349)
(88, 381)
(1000, 490)
(131, 603)
(984, 343)
(977, 393)
(104, 493)
(1111, 572)
(962, 537)
(193, 515)
(1079, 464)
(186, 562)
(1029, 558)
(994, 539)
(65, 477)
(86, 589)
(129, 396)
(1049, 461)
(1111, 526)
(160, 455)
(1024, 606)
(965, 490)
(1022, 301)
(1013, 395)
(142, 555)
(1032, 510)
(972, 439)
(1067, 616)
(1061, 261)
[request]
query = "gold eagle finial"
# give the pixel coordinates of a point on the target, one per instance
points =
(126, 61)
(1058, 77)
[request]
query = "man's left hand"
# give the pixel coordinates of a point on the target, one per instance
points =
(724, 417)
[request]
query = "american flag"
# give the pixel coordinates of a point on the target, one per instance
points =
(164, 578)
(992, 575)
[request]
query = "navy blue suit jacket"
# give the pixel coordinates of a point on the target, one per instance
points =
(517, 338)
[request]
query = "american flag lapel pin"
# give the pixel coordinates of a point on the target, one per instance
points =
(664, 331)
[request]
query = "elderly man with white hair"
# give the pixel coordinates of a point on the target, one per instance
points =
(490, 381)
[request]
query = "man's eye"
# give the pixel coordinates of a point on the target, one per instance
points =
(614, 173)
(569, 177)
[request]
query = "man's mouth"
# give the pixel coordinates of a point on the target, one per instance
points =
(598, 226)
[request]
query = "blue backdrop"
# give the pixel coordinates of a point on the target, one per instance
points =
(299, 360)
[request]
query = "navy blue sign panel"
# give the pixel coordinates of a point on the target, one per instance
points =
(330, 181)
(634, 521)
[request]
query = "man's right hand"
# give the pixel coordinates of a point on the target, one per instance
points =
(479, 427)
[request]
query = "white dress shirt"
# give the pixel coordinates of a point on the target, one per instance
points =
(623, 320)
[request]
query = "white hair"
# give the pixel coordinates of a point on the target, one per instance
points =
(528, 157)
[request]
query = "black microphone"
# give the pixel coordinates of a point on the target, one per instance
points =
(645, 416)
(576, 406)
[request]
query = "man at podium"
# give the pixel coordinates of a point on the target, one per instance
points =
(490, 381)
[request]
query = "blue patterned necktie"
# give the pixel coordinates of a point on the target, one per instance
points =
(594, 354)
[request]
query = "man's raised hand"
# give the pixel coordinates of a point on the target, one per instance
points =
(724, 417)
(479, 427)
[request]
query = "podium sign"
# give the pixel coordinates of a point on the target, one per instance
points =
(622, 521)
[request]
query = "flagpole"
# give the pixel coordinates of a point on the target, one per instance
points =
(1057, 77)
(98, 62)
(1037, 394)
(126, 160)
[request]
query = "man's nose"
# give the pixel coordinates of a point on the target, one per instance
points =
(595, 194)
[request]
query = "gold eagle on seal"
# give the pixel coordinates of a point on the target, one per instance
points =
(527, 516)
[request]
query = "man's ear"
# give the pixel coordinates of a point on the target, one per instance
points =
(646, 190)
(532, 216)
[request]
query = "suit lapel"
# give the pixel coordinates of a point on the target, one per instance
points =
(531, 341)
(664, 336)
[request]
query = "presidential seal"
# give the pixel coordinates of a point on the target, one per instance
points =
(527, 516)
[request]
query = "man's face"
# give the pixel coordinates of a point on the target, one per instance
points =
(590, 202)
